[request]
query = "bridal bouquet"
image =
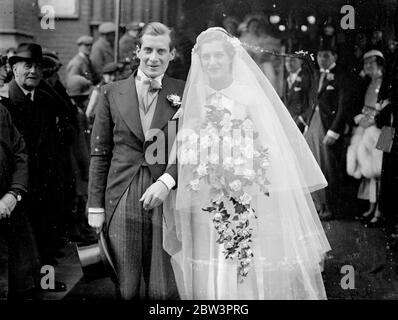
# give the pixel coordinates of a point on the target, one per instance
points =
(230, 164)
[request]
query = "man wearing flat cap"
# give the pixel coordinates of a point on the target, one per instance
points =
(102, 51)
(81, 64)
(129, 41)
(36, 116)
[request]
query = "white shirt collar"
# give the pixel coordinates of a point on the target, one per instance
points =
(142, 76)
(294, 75)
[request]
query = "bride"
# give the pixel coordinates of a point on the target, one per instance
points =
(241, 223)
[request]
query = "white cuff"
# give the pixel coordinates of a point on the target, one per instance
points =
(167, 180)
(96, 210)
(333, 134)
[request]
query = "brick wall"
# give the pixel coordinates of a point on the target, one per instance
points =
(67, 31)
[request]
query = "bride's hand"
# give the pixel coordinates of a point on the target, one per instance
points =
(154, 195)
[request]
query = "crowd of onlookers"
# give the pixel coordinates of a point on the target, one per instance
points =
(344, 102)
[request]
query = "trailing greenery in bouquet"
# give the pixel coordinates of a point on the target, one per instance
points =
(230, 164)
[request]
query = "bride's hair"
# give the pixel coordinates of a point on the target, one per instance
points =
(222, 37)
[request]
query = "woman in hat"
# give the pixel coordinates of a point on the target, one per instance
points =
(363, 159)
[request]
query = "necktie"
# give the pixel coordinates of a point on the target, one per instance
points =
(151, 92)
(29, 96)
(290, 81)
(322, 78)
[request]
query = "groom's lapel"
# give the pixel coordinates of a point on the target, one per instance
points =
(129, 108)
(164, 110)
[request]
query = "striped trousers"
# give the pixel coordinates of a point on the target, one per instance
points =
(136, 241)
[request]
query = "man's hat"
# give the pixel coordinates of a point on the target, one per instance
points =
(77, 85)
(27, 52)
(111, 67)
(96, 260)
(107, 27)
(373, 53)
(327, 44)
(87, 40)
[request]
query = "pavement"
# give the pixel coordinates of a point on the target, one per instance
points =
(368, 251)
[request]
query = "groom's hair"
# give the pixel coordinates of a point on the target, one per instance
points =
(157, 29)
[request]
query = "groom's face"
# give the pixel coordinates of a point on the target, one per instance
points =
(155, 54)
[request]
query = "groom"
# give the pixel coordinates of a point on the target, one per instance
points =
(126, 185)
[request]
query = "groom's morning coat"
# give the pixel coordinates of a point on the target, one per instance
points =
(118, 144)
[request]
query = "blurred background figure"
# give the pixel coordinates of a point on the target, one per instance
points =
(129, 41)
(102, 51)
(297, 90)
(79, 89)
(110, 73)
(326, 128)
(231, 24)
(81, 64)
(259, 38)
(364, 161)
(387, 121)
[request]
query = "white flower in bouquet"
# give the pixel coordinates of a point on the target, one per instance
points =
(194, 184)
(192, 156)
(239, 161)
(247, 125)
(227, 142)
(226, 123)
(228, 163)
(217, 216)
(228, 245)
(249, 174)
(214, 158)
(245, 198)
(235, 185)
(202, 170)
(205, 141)
(265, 163)
(248, 150)
(193, 138)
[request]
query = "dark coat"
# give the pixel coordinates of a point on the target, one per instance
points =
(13, 155)
(81, 66)
(41, 127)
(336, 100)
(101, 54)
(118, 145)
(296, 98)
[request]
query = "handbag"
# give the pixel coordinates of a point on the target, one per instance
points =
(384, 143)
(386, 139)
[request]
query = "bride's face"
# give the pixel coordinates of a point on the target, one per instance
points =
(215, 60)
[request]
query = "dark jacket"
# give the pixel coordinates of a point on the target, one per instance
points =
(336, 100)
(118, 144)
(296, 98)
(101, 54)
(13, 156)
(81, 66)
(41, 127)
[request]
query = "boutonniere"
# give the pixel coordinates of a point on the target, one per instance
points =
(174, 99)
(298, 79)
(330, 76)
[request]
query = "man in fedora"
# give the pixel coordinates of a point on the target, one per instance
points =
(102, 50)
(81, 64)
(36, 117)
(126, 189)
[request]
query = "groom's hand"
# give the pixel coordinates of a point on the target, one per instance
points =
(96, 220)
(154, 195)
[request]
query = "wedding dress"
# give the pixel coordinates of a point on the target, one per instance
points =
(287, 242)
